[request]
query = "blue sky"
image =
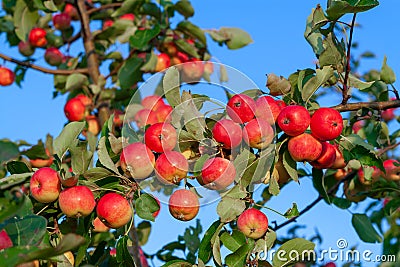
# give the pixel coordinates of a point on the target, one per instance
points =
(279, 46)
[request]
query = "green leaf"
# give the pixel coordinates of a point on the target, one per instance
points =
(199, 164)
(98, 173)
(237, 38)
(229, 208)
(223, 74)
(184, 7)
(80, 158)
(357, 83)
(235, 192)
(292, 212)
(192, 30)
(187, 48)
(11, 208)
(387, 74)
(8, 150)
(364, 228)
(338, 8)
(142, 38)
(333, 53)
(127, 7)
(217, 251)
(284, 255)
(233, 241)
(342, 203)
(123, 256)
(171, 87)
(129, 74)
(14, 179)
(67, 138)
(273, 186)
(319, 183)
(177, 263)
(151, 62)
(36, 152)
(312, 85)
(24, 20)
(313, 36)
(76, 81)
(194, 120)
(237, 259)
(143, 231)
(18, 227)
(205, 248)
(104, 157)
(145, 206)
(290, 166)
(17, 167)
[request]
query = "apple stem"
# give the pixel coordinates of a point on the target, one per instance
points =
(44, 208)
(268, 208)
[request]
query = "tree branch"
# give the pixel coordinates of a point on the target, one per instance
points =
(345, 90)
(381, 105)
(42, 69)
(107, 6)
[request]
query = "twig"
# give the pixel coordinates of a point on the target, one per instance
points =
(386, 149)
(348, 68)
(395, 92)
(107, 6)
(42, 69)
(381, 105)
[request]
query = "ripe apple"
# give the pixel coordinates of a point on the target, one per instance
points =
(163, 113)
(152, 102)
(304, 147)
(241, 108)
(339, 161)
(340, 174)
(37, 37)
(74, 110)
(99, 226)
(327, 157)
(71, 181)
(40, 163)
(53, 56)
(183, 205)
(5, 240)
(93, 125)
(267, 109)
(258, 133)
(86, 101)
(143, 259)
(160, 137)
(179, 58)
(62, 21)
(376, 173)
(155, 214)
(113, 252)
(218, 173)
(392, 171)
(76, 201)
(163, 62)
(326, 124)
(45, 185)
(388, 114)
(26, 49)
(171, 167)
(128, 16)
(294, 120)
(253, 223)
(145, 117)
(7, 77)
(114, 210)
(71, 11)
(107, 24)
(137, 160)
(192, 70)
(358, 125)
(330, 264)
(227, 132)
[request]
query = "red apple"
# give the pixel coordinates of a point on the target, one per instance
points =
(376, 173)
(258, 133)
(326, 124)
(330, 264)
(183, 205)
(5, 240)
(145, 117)
(163, 113)
(169, 48)
(113, 252)
(86, 101)
(192, 70)
(53, 56)
(45, 185)
(107, 23)
(160, 137)
(114, 210)
(71, 11)
(241, 108)
(327, 157)
(62, 21)
(253, 223)
(129, 16)
(339, 161)
(155, 214)
(7, 77)
(388, 114)
(26, 49)
(163, 62)
(118, 118)
(37, 37)
(227, 132)
(143, 259)
(179, 58)
(137, 160)
(392, 171)
(304, 147)
(267, 109)
(76, 201)
(152, 102)
(40, 163)
(99, 226)
(74, 110)
(218, 173)
(294, 120)
(171, 167)
(358, 125)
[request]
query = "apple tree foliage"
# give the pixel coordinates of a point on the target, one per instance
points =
(111, 78)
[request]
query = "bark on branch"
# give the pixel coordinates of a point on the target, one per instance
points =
(381, 105)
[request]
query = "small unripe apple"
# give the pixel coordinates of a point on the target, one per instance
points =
(327, 157)
(218, 173)
(392, 171)
(160, 137)
(118, 118)
(169, 48)
(37, 37)
(5, 240)
(192, 70)
(326, 124)
(376, 173)
(26, 49)
(7, 77)
(99, 226)
(93, 125)
(253, 223)
(358, 125)
(339, 163)
(241, 108)
(163, 62)
(267, 109)
(228, 133)
(114, 210)
(77, 201)
(129, 16)
(40, 163)
(294, 120)
(53, 56)
(183, 205)
(86, 101)
(45, 185)
(171, 167)
(62, 21)
(137, 160)
(145, 117)
(163, 113)
(74, 110)
(152, 102)
(304, 147)
(258, 133)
